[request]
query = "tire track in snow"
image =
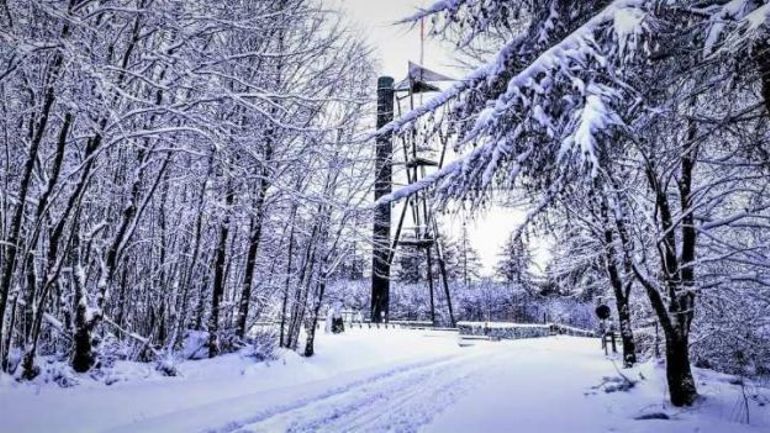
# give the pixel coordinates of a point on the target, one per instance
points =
(401, 401)
(395, 412)
(271, 412)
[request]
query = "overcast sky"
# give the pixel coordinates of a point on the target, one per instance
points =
(394, 46)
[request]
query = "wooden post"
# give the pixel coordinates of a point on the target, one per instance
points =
(382, 186)
(442, 267)
(430, 287)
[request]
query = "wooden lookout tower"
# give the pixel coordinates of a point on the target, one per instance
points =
(419, 158)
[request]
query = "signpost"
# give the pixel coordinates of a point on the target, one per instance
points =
(606, 328)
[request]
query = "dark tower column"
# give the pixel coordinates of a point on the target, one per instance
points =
(382, 186)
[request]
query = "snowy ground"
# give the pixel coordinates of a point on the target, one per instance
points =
(389, 381)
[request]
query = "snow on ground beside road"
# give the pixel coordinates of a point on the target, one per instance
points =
(95, 407)
(389, 381)
(553, 385)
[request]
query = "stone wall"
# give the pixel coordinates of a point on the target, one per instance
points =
(504, 331)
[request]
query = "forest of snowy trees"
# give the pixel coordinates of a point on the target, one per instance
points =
(178, 169)
(171, 166)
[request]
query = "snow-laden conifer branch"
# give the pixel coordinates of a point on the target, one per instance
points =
(529, 104)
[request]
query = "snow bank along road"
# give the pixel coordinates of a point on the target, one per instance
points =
(393, 381)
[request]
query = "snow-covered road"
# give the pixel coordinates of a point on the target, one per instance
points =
(400, 397)
(403, 399)
(390, 381)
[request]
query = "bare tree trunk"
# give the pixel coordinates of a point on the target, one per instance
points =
(624, 322)
(678, 371)
(82, 355)
(312, 322)
(219, 275)
(162, 287)
(307, 271)
(287, 282)
(255, 234)
(675, 320)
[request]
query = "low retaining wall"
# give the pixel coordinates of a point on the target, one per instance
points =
(515, 331)
(504, 331)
